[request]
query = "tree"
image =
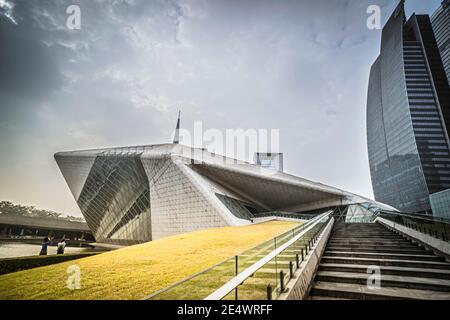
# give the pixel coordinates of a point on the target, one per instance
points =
(8, 207)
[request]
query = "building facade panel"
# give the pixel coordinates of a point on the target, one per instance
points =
(177, 205)
(440, 203)
(376, 138)
(115, 199)
(407, 136)
(396, 171)
(75, 170)
(441, 25)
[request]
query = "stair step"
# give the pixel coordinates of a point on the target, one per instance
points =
(377, 242)
(356, 291)
(387, 270)
(377, 238)
(368, 231)
(380, 250)
(407, 270)
(326, 298)
(364, 232)
(373, 246)
(381, 230)
(386, 280)
(384, 256)
(381, 238)
(370, 239)
(386, 262)
(387, 236)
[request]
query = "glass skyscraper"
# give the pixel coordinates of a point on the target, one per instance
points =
(440, 204)
(408, 113)
(441, 26)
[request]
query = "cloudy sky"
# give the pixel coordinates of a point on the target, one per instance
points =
(298, 66)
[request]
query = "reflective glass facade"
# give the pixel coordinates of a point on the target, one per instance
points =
(407, 139)
(441, 27)
(238, 208)
(115, 197)
(440, 203)
(361, 213)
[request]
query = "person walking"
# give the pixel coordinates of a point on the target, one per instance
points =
(44, 246)
(61, 246)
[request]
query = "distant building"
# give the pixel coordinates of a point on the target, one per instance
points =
(273, 161)
(23, 226)
(408, 115)
(441, 26)
(440, 204)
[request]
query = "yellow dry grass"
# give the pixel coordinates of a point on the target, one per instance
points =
(136, 271)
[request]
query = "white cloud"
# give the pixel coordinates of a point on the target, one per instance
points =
(7, 10)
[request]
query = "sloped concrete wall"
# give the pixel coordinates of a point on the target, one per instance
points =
(440, 247)
(177, 205)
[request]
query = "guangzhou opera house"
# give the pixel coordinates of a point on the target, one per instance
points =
(136, 194)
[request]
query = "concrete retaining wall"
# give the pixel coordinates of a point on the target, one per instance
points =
(440, 247)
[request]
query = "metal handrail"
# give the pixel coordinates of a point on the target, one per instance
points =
(415, 216)
(438, 228)
(248, 272)
(263, 244)
(284, 215)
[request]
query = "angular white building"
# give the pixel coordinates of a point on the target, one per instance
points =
(135, 194)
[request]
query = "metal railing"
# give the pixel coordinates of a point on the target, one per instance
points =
(433, 226)
(285, 215)
(202, 284)
(268, 277)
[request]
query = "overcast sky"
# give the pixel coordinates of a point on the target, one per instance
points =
(298, 66)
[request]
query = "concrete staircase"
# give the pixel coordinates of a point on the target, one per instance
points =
(407, 270)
